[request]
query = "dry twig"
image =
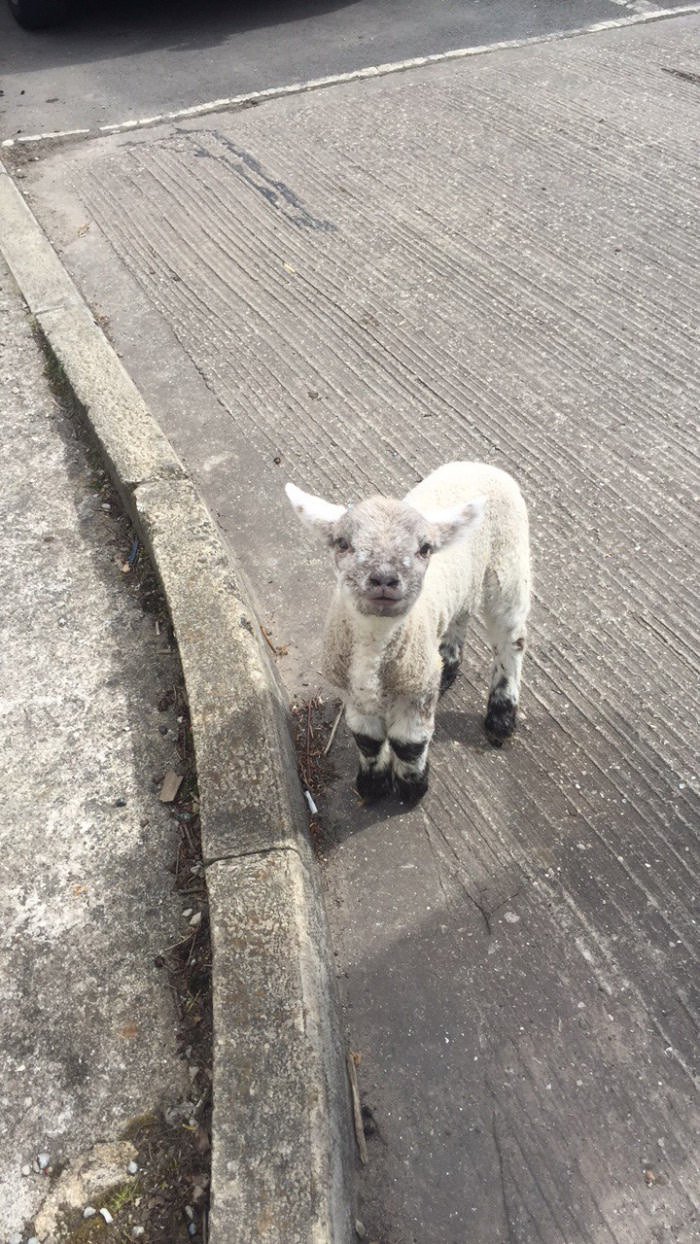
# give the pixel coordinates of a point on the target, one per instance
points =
(268, 641)
(356, 1108)
(279, 652)
(334, 728)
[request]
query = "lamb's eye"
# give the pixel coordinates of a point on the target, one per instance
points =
(342, 545)
(425, 550)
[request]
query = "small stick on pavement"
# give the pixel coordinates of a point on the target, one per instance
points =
(268, 641)
(178, 1004)
(309, 731)
(194, 942)
(183, 942)
(357, 1109)
(279, 652)
(336, 723)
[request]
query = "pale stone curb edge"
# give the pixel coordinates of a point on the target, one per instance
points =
(280, 1143)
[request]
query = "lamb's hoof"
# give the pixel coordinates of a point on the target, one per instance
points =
(500, 721)
(371, 785)
(450, 670)
(411, 790)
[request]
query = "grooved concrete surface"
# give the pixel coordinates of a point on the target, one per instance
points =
(489, 259)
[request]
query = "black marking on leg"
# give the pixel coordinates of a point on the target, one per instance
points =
(411, 789)
(408, 752)
(368, 746)
(450, 670)
(373, 783)
(500, 719)
(519, 643)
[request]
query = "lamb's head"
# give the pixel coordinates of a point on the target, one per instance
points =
(382, 547)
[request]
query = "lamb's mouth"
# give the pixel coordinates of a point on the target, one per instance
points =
(384, 603)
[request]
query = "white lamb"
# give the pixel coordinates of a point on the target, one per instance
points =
(409, 575)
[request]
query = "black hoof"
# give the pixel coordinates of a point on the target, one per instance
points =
(371, 785)
(500, 720)
(411, 790)
(450, 670)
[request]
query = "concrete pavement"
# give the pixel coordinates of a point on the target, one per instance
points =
(89, 1038)
(487, 259)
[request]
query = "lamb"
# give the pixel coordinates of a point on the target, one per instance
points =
(409, 575)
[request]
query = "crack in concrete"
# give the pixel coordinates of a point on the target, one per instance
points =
(261, 851)
(501, 1172)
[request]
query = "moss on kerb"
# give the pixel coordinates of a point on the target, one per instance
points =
(130, 1200)
(136, 1127)
(80, 1230)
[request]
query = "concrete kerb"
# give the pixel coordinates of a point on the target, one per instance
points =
(280, 1144)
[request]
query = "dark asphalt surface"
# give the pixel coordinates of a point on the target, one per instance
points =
(122, 60)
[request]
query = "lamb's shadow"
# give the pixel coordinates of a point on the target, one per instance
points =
(465, 726)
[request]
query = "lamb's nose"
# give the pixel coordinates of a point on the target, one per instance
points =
(384, 578)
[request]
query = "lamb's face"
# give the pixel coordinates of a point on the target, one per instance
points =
(382, 548)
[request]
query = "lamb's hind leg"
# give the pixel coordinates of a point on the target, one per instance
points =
(374, 774)
(451, 646)
(505, 626)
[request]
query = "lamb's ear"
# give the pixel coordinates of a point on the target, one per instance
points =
(314, 512)
(453, 524)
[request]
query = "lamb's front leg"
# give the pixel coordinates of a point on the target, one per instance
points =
(410, 727)
(374, 773)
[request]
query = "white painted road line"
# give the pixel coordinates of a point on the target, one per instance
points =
(355, 75)
(37, 138)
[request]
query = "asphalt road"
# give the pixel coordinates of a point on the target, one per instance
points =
(121, 59)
